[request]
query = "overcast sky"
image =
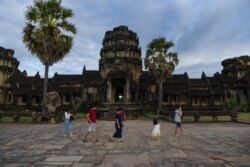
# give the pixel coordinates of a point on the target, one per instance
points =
(204, 32)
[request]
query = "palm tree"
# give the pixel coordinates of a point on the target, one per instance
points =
(46, 34)
(160, 63)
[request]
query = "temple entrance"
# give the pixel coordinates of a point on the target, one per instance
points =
(118, 89)
(119, 94)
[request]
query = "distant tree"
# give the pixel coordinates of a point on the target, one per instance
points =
(160, 63)
(46, 34)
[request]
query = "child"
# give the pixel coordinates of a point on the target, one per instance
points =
(156, 131)
(67, 124)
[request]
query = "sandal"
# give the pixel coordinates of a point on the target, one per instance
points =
(111, 139)
(84, 140)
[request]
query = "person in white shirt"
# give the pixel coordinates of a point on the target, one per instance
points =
(156, 130)
(67, 124)
(178, 115)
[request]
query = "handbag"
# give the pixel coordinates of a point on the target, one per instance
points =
(72, 117)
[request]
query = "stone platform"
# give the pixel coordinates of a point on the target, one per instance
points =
(203, 145)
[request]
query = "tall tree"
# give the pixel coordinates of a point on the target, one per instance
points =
(48, 34)
(160, 63)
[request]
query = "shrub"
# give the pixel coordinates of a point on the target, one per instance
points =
(230, 103)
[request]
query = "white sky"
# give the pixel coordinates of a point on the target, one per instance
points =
(204, 32)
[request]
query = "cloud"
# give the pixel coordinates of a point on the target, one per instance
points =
(204, 32)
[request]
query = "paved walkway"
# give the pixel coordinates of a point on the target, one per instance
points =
(205, 144)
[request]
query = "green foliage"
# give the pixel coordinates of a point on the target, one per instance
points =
(149, 115)
(244, 116)
(230, 103)
(243, 107)
(160, 62)
(81, 115)
(46, 33)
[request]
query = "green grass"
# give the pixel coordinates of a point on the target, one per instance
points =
(244, 116)
(149, 116)
(81, 115)
(24, 120)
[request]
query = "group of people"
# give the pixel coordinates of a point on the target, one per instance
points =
(178, 130)
(120, 118)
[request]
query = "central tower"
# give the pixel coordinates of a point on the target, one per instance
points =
(120, 64)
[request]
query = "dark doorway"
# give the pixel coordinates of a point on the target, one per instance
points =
(119, 95)
(119, 89)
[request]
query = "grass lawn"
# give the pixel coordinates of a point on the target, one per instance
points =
(244, 116)
(81, 115)
(24, 120)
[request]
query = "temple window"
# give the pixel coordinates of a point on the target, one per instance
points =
(174, 99)
(66, 99)
(9, 98)
(21, 100)
(152, 88)
(35, 100)
(183, 99)
(217, 100)
(165, 98)
(195, 101)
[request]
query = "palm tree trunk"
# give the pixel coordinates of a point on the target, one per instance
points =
(159, 98)
(45, 87)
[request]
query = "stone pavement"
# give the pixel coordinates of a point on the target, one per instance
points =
(204, 145)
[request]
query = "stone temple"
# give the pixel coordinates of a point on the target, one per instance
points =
(121, 81)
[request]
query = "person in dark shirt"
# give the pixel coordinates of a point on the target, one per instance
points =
(118, 126)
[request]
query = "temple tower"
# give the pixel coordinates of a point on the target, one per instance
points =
(120, 65)
(8, 64)
(238, 70)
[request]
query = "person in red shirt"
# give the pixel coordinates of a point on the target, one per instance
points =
(91, 116)
(124, 118)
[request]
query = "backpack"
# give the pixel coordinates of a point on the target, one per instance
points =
(72, 117)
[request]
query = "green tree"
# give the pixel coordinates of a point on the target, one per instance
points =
(160, 62)
(48, 34)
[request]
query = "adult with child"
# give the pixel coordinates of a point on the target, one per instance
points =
(91, 116)
(118, 126)
(178, 117)
(67, 123)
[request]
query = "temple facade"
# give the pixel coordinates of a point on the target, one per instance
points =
(120, 80)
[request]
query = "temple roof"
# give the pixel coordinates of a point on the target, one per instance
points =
(67, 79)
(197, 82)
(91, 75)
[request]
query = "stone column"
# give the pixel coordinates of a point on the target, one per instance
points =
(109, 93)
(127, 90)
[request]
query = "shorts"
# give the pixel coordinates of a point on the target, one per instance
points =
(91, 127)
(178, 124)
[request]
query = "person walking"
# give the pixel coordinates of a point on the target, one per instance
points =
(91, 116)
(67, 124)
(124, 119)
(156, 129)
(178, 115)
(118, 126)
